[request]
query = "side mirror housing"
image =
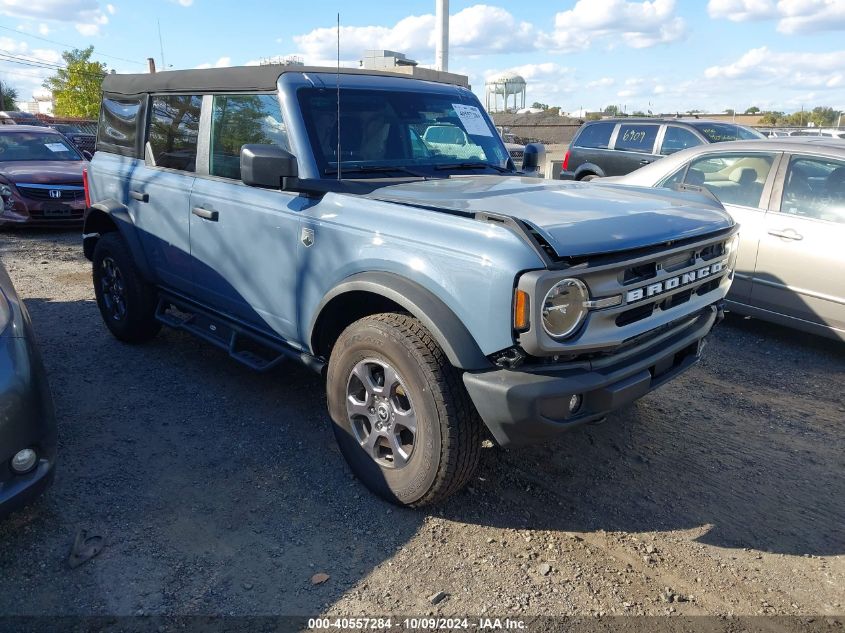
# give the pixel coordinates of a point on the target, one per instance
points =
(533, 158)
(88, 155)
(267, 165)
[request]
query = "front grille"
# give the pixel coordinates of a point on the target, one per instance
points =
(65, 195)
(517, 154)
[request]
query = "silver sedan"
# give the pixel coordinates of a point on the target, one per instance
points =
(788, 195)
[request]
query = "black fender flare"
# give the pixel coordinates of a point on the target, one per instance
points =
(590, 167)
(448, 330)
(119, 216)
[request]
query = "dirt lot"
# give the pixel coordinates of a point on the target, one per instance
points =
(220, 491)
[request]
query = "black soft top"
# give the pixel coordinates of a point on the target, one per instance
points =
(218, 79)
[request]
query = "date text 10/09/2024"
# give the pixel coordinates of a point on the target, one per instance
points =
(420, 624)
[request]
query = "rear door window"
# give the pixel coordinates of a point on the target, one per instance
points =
(815, 188)
(676, 139)
(637, 138)
(174, 130)
(595, 135)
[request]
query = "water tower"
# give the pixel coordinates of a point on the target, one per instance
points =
(506, 85)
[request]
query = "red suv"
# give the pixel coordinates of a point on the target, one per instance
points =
(40, 177)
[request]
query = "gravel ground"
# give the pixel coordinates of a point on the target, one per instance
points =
(221, 491)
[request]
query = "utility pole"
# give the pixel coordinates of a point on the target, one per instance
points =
(151, 64)
(2, 99)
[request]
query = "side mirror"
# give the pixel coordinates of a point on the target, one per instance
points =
(88, 155)
(533, 157)
(266, 165)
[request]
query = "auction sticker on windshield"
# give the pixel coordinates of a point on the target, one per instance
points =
(56, 147)
(472, 120)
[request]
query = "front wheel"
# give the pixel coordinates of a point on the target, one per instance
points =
(402, 417)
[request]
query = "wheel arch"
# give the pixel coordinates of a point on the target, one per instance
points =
(109, 216)
(587, 169)
(364, 294)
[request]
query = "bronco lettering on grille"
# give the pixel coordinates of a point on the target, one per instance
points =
(657, 288)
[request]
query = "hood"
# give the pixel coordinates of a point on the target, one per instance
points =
(575, 218)
(44, 172)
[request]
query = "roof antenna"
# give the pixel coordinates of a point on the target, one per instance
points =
(337, 84)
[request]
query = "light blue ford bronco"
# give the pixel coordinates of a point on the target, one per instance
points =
(373, 227)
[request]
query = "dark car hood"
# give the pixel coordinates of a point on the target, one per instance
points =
(44, 172)
(575, 218)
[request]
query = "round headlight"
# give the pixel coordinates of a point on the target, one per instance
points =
(563, 307)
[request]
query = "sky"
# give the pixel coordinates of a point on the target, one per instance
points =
(659, 55)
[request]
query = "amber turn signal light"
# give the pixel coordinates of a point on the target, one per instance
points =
(520, 311)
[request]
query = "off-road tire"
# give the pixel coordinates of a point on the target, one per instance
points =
(588, 178)
(448, 439)
(138, 322)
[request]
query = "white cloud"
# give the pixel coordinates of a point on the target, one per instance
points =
(636, 24)
(61, 10)
(604, 82)
(806, 16)
(186, 3)
(86, 15)
(26, 79)
(43, 29)
(92, 27)
(794, 16)
(223, 62)
(741, 10)
(804, 70)
(111, 9)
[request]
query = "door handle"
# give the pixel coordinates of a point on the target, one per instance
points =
(645, 161)
(789, 234)
(205, 214)
(140, 196)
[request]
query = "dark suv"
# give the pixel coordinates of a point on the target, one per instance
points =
(615, 147)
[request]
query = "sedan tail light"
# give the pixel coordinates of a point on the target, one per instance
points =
(565, 166)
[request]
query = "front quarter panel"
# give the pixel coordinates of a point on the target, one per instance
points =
(471, 266)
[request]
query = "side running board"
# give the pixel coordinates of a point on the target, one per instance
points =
(256, 351)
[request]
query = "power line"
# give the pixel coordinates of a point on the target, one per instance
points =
(6, 56)
(45, 39)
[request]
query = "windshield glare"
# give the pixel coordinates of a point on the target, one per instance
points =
(36, 146)
(719, 132)
(381, 129)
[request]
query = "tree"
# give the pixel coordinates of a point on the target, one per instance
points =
(8, 96)
(639, 113)
(730, 111)
(823, 116)
(771, 118)
(612, 110)
(540, 106)
(76, 87)
(555, 111)
(753, 110)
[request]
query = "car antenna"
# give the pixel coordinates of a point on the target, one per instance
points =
(337, 85)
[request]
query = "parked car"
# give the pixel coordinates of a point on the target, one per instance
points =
(27, 418)
(788, 195)
(436, 292)
(40, 178)
(614, 147)
(16, 117)
(84, 141)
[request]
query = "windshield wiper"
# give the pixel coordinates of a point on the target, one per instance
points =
(444, 166)
(375, 169)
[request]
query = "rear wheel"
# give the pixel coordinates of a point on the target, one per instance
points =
(588, 177)
(127, 303)
(402, 417)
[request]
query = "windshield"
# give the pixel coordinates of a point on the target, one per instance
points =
(413, 132)
(36, 146)
(719, 132)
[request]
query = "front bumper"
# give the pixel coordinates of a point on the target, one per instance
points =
(27, 420)
(528, 406)
(566, 175)
(25, 212)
